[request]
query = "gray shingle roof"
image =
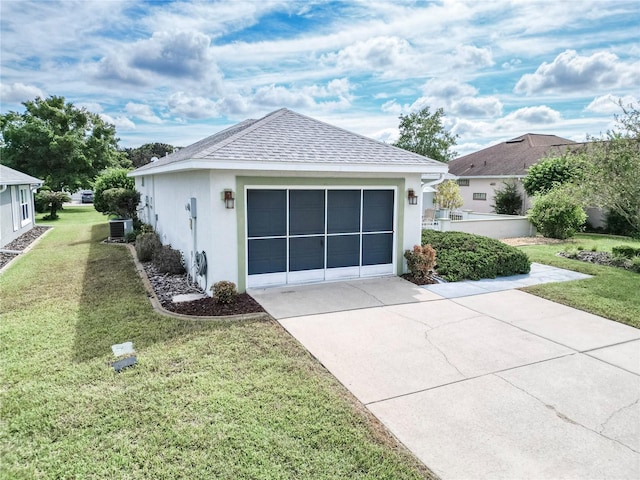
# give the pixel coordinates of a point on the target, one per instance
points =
(285, 136)
(510, 158)
(9, 176)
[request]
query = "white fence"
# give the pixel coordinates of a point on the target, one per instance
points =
(487, 224)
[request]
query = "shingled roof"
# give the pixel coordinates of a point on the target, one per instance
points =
(510, 158)
(287, 137)
(9, 176)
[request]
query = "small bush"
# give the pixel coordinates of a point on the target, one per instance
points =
(130, 237)
(508, 200)
(635, 264)
(465, 256)
(146, 245)
(626, 251)
(557, 214)
(421, 261)
(168, 260)
(224, 292)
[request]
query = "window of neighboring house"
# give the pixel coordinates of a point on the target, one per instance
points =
(479, 196)
(463, 182)
(142, 181)
(25, 214)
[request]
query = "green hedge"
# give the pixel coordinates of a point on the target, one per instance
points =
(626, 251)
(461, 256)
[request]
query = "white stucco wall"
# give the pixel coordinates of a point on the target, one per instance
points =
(11, 224)
(489, 187)
(216, 229)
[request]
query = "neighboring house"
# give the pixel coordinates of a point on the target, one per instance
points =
(16, 203)
(481, 173)
(286, 199)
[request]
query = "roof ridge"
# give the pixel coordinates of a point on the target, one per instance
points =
(268, 118)
(372, 140)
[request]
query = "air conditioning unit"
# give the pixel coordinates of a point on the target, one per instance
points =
(119, 228)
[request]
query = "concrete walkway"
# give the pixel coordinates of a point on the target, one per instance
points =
(492, 385)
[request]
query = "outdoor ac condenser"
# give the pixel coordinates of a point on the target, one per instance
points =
(119, 228)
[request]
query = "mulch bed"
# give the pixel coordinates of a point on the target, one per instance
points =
(419, 281)
(207, 307)
(20, 244)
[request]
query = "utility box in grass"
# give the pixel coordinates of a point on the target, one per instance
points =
(120, 227)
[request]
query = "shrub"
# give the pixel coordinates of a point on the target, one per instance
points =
(421, 260)
(168, 260)
(619, 225)
(112, 178)
(122, 202)
(465, 256)
(557, 214)
(224, 292)
(508, 201)
(146, 245)
(626, 251)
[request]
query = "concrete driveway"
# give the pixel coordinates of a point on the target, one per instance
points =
(493, 385)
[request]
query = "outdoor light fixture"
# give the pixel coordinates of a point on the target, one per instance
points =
(229, 201)
(413, 198)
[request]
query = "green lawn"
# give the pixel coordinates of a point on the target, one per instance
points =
(208, 399)
(612, 292)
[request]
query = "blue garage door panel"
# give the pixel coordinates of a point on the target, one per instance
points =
(266, 213)
(267, 255)
(377, 249)
(306, 253)
(343, 251)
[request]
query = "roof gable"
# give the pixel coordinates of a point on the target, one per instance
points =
(9, 176)
(510, 158)
(288, 137)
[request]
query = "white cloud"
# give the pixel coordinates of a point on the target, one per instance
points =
(115, 70)
(477, 107)
(19, 92)
(374, 54)
(194, 107)
(609, 103)
(539, 115)
(121, 122)
(472, 56)
(391, 107)
(570, 72)
(143, 112)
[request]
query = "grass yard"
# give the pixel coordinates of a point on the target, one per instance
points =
(208, 399)
(612, 293)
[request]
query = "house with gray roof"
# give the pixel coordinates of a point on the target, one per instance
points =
(483, 172)
(286, 199)
(17, 212)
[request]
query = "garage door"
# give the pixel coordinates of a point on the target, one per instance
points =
(312, 235)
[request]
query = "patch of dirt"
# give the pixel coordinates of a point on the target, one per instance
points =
(20, 244)
(166, 286)
(539, 240)
(419, 281)
(207, 307)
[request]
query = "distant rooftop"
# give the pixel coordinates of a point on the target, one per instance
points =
(510, 158)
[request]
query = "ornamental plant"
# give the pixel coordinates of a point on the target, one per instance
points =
(421, 261)
(224, 292)
(448, 196)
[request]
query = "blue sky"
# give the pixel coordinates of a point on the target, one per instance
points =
(178, 71)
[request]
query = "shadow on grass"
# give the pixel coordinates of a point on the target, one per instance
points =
(114, 306)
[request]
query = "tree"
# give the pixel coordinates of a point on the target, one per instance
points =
(122, 202)
(612, 169)
(142, 155)
(112, 178)
(448, 196)
(52, 201)
(549, 172)
(423, 133)
(508, 201)
(65, 145)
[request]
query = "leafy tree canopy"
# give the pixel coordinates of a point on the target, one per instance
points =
(58, 142)
(612, 168)
(142, 155)
(448, 195)
(423, 133)
(549, 172)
